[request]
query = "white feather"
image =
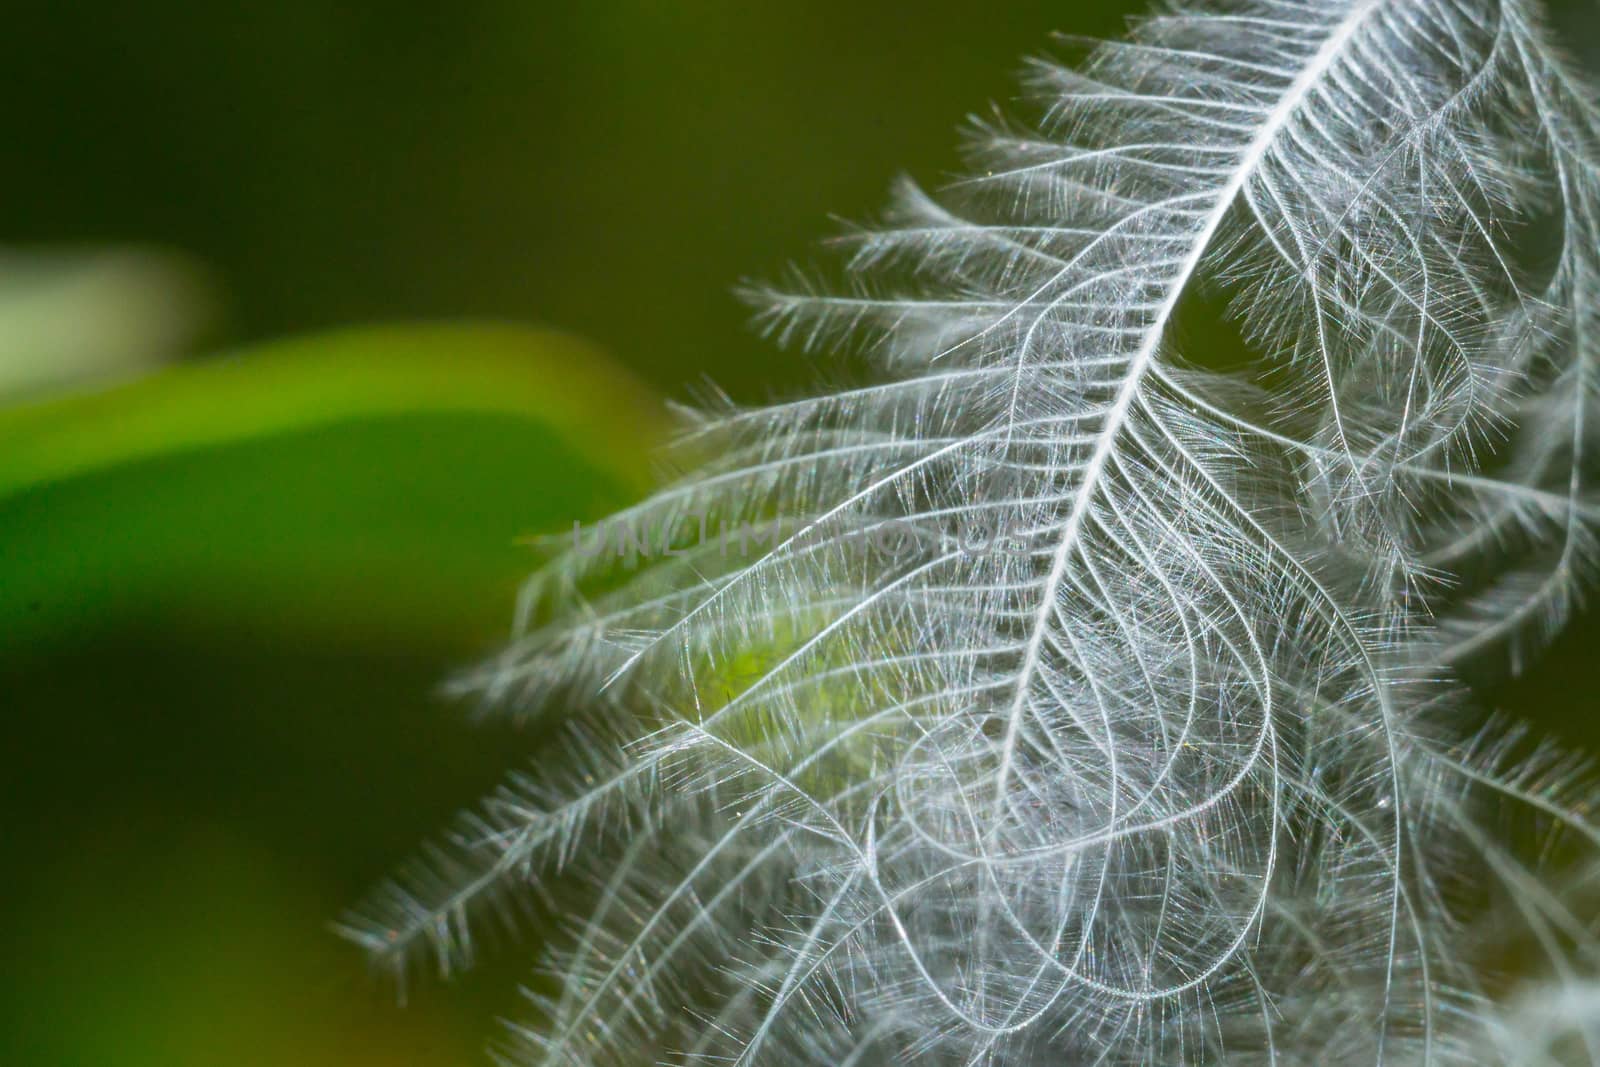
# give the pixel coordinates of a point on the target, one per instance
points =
(1157, 769)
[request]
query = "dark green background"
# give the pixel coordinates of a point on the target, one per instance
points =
(192, 790)
(612, 167)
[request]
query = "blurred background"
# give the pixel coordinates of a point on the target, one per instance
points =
(309, 310)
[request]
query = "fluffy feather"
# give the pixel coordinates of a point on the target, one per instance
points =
(1050, 699)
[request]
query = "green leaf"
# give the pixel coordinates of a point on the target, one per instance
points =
(363, 485)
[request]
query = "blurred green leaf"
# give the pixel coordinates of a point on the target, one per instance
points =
(363, 484)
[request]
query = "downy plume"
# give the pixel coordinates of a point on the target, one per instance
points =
(1072, 703)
